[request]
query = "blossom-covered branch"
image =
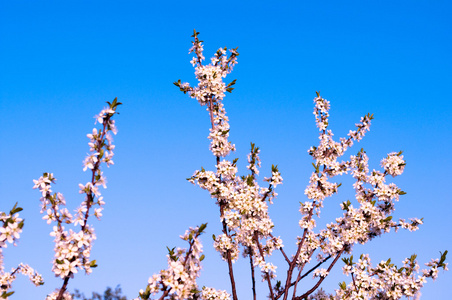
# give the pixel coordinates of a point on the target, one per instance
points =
(244, 204)
(72, 249)
(184, 265)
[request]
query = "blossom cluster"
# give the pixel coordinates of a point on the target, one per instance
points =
(73, 248)
(184, 265)
(393, 164)
(386, 280)
(244, 210)
(9, 233)
(211, 91)
(213, 294)
(57, 295)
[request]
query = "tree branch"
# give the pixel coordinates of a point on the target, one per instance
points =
(253, 280)
(256, 240)
(321, 279)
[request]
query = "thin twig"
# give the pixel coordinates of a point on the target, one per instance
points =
(354, 283)
(261, 251)
(253, 280)
(321, 278)
(282, 251)
(294, 261)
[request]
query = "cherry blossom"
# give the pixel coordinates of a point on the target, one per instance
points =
(184, 266)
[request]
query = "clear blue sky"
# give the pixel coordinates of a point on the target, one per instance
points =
(61, 60)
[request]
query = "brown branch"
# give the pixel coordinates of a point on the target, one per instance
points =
(231, 275)
(228, 254)
(321, 279)
(63, 288)
(296, 283)
(354, 283)
(196, 49)
(261, 252)
(294, 261)
(315, 267)
(164, 295)
(14, 272)
(282, 251)
(55, 213)
(303, 276)
(211, 111)
(229, 259)
(190, 250)
(253, 280)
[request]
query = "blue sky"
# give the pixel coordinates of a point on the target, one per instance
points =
(61, 60)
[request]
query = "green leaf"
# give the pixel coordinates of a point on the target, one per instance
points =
(93, 264)
(346, 205)
(442, 259)
(15, 209)
(195, 34)
(170, 251)
(231, 83)
(202, 227)
(5, 295)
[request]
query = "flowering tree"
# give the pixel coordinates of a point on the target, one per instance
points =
(72, 249)
(243, 208)
(247, 227)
